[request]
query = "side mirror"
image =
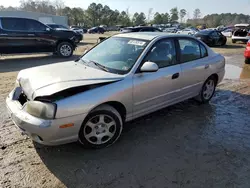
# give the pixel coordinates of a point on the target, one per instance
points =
(149, 67)
(47, 29)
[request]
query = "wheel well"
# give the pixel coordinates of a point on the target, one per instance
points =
(216, 77)
(69, 41)
(119, 107)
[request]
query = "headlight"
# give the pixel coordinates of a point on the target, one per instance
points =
(40, 109)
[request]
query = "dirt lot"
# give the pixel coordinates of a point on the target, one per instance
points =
(186, 145)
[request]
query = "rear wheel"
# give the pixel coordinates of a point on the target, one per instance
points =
(65, 49)
(101, 128)
(208, 90)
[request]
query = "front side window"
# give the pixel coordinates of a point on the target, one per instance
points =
(163, 53)
(189, 50)
(33, 25)
(116, 54)
(13, 24)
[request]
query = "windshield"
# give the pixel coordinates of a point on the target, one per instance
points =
(117, 55)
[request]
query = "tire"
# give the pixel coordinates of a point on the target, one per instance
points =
(224, 43)
(247, 61)
(65, 49)
(206, 93)
(101, 128)
(233, 41)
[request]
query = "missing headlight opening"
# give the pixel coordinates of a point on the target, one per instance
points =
(22, 99)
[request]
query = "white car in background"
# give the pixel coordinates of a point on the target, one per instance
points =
(242, 33)
(227, 32)
(77, 29)
(188, 31)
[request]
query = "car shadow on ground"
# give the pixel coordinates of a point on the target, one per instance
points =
(9, 64)
(180, 146)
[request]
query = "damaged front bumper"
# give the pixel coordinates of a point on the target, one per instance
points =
(46, 132)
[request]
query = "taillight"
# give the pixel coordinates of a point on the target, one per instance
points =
(248, 43)
(248, 34)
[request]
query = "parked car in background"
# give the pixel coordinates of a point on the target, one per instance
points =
(241, 33)
(140, 29)
(99, 30)
(57, 26)
(227, 33)
(212, 37)
(247, 53)
(122, 78)
(188, 31)
(171, 30)
(78, 29)
(23, 35)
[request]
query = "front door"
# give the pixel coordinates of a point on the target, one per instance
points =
(155, 90)
(43, 40)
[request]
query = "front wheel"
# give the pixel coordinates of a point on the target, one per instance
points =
(101, 128)
(65, 49)
(207, 91)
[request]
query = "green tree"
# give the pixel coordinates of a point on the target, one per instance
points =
(197, 14)
(174, 14)
(139, 19)
(183, 13)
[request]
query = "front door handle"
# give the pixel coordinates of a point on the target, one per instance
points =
(175, 76)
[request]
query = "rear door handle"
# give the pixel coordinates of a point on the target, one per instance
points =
(206, 66)
(175, 76)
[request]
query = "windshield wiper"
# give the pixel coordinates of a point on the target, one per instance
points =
(99, 65)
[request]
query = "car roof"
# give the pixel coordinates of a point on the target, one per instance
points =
(147, 35)
(241, 25)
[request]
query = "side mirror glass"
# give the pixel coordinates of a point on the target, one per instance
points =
(149, 67)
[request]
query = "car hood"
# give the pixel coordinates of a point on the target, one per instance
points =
(49, 79)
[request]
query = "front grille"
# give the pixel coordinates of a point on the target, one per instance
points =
(22, 99)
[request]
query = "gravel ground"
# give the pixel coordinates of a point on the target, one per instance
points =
(186, 145)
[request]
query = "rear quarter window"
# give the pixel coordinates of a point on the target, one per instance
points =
(13, 24)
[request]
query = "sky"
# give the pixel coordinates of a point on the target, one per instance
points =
(162, 6)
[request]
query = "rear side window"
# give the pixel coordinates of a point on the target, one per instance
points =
(13, 24)
(189, 50)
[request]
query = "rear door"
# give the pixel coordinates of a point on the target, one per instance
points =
(15, 37)
(194, 65)
(216, 37)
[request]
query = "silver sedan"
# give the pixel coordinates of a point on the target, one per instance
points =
(122, 78)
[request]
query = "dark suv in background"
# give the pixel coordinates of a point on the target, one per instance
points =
(23, 35)
(140, 29)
